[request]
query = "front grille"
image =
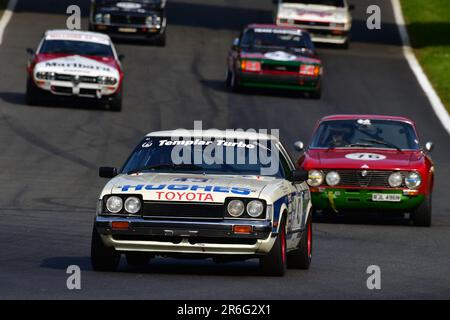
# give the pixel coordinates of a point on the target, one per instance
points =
(312, 23)
(279, 68)
(64, 90)
(71, 78)
(88, 92)
(373, 178)
(128, 19)
(183, 210)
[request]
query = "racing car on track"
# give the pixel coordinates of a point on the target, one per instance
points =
(369, 163)
(328, 21)
(132, 19)
(221, 200)
(273, 56)
(77, 64)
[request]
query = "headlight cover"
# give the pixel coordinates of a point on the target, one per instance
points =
(333, 178)
(98, 18)
(132, 205)
(255, 208)
(236, 208)
(413, 180)
(315, 178)
(114, 204)
(395, 180)
(106, 80)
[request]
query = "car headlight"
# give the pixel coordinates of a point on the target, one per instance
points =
(98, 18)
(46, 75)
(395, 180)
(114, 204)
(236, 208)
(106, 80)
(255, 208)
(315, 178)
(107, 18)
(333, 178)
(132, 205)
(413, 180)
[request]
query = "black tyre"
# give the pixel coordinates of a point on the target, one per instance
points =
(421, 217)
(116, 103)
(137, 259)
(346, 44)
(103, 258)
(161, 40)
(33, 96)
(274, 263)
(317, 93)
(301, 257)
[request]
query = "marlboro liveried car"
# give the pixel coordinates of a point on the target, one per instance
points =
(328, 21)
(75, 64)
(218, 202)
(277, 57)
(135, 19)
(369, 163)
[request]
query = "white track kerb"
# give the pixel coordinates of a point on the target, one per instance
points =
(408, 52)
(7, 15)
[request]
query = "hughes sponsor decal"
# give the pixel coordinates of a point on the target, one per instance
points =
(162, 189)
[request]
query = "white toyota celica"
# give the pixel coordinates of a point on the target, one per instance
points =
(224, 196)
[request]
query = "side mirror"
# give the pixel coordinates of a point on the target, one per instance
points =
(299, 146)
(30, 51)
(351, 7)
(235, 42)
(429, 146)
(107, 172)
(299, 175)
(121, 57)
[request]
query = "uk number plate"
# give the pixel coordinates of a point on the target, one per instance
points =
(386, 197)
(129, 30)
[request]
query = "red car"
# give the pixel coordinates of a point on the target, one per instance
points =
(369, 163)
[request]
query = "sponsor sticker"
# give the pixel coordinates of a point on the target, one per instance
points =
(365, 156)
(280, 56)
(278, 31)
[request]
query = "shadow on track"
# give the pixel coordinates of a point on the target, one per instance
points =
(363, 218)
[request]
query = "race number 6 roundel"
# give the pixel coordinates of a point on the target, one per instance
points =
(365, 156)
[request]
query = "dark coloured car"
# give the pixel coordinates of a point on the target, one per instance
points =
(270, 56)
(137, 19)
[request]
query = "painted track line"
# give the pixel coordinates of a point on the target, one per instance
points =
(408, 52)
(6, 17)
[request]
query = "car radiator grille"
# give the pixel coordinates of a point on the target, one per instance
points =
(128, 19)
(279, 67)
(365, 178)
(156, 209)
(72, 78)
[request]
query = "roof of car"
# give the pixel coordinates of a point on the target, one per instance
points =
(66, 34)
(365, 116)
(224, 134)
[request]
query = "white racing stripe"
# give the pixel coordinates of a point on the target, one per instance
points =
(7, 15)
(408, 52)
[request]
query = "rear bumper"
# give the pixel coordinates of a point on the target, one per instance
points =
(138, 32)
(288, 81)
(361, 199)
(187, 236)
(324, 34)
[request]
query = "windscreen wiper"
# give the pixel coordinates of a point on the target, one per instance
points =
(182, 166)
(382, 142)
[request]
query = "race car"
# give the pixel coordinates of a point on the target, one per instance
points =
(369, 163)
(75, 64)
(132, 19)
(230, 196)
(328, 21)
(270, 56)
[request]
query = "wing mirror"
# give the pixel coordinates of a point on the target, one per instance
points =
(299, 175)
(299, 146)
(121, 57)
(429, 146)
(107, 172)
(351, 7)
(236, 42)
(30, 51)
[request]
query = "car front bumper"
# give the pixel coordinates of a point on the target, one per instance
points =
(187, 236)
(282, 81)
(129, 31)
(323, 34)
(336, 199)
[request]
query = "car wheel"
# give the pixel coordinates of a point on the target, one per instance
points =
(137, 259)
(103, 258)
(421, 217)
(274, 263)
(116, 103)
(346, 44)
(161, 40)
(233, 82)
(317, 93)
(32, 95)
(228, 79)
(301, 257)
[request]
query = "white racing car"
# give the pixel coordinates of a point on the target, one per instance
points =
(327, 21)
(224, 201)
(75, 63)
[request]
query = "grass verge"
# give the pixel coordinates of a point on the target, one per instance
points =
(428, 25)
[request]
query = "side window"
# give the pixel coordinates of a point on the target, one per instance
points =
(285, 165)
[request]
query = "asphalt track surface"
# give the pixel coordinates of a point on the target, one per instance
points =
(50, 155)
